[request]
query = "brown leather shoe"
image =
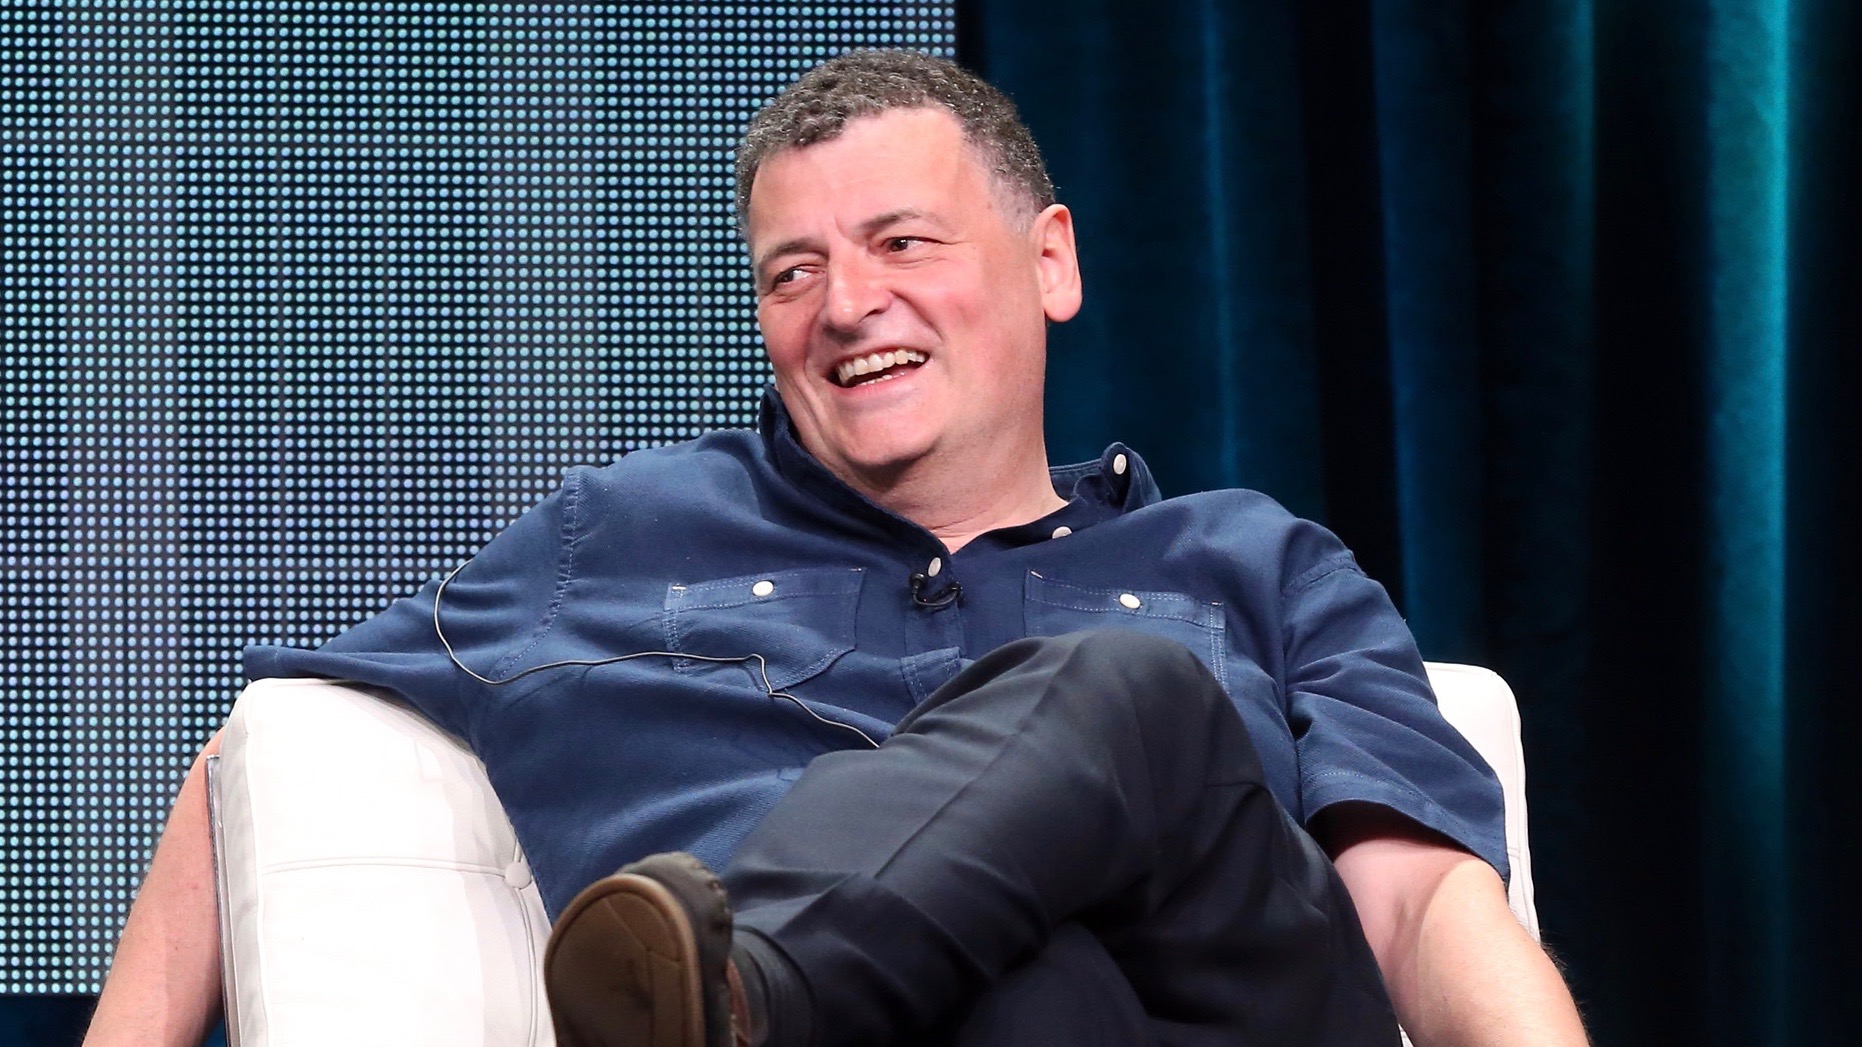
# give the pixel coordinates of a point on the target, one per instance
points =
(642, 959)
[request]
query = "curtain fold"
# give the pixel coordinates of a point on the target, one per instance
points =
(1548, 308)
(1424, 132)
(1822, 504)
(1747, 108)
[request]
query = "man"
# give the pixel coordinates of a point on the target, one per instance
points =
(1095, 828)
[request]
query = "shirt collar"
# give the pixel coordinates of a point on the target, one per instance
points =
(1118, 479)
(796, 465)
(1115, 483)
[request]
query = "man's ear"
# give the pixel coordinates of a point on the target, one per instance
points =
(1057, 262)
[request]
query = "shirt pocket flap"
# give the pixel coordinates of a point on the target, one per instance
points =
(1052, 608)
(799, 621)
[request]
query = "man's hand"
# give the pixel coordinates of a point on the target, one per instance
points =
(1460, 969)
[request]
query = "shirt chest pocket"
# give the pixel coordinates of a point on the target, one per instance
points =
(799, 622)
(1052, 608)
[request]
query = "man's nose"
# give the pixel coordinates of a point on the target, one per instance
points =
(855, 292)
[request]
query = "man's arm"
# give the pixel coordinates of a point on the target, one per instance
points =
(1459, 967)
(164, 984)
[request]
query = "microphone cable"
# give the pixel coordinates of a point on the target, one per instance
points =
(762, 665)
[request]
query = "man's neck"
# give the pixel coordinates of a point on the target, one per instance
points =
(958, 504)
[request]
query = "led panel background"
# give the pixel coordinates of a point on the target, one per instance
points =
(303, 301)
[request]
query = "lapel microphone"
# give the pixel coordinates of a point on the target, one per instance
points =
(951, 593)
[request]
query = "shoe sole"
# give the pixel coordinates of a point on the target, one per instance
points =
(626, 967)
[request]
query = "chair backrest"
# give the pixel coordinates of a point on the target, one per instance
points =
(372, 890)
(1481, 706)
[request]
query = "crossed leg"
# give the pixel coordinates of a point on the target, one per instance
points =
(1060, 797)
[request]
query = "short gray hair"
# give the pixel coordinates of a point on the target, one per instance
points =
(818, 107)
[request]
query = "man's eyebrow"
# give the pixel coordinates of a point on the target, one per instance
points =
(903, 214)
(790, 246)
(867, 228)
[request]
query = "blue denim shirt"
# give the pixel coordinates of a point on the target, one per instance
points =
(740, 542)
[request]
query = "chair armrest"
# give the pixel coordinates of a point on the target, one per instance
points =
(372, 889)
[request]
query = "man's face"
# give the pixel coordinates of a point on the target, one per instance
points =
(903, 310)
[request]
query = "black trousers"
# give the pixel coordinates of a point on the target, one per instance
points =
(1070, 842)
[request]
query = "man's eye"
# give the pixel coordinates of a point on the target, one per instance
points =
(784, 277)
(896, 244)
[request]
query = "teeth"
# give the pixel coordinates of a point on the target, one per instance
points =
(874, 362)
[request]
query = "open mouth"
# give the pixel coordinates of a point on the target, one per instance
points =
(876, 367)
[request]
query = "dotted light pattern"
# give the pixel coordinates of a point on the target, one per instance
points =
(304, 301)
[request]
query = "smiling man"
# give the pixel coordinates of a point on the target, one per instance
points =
(908, 256)
(903, 296)
(987, 752)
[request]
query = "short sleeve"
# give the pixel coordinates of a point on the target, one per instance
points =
(1364, 719)
(495, 608)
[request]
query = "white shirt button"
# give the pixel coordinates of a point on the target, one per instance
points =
(937, 564)
(1131, 602)
(1062, 531)
(763, 588)
(1118, 464)
(517, 874)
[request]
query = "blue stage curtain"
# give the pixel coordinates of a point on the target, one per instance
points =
(1549, 309)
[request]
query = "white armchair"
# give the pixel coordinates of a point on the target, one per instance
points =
(372, 892)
